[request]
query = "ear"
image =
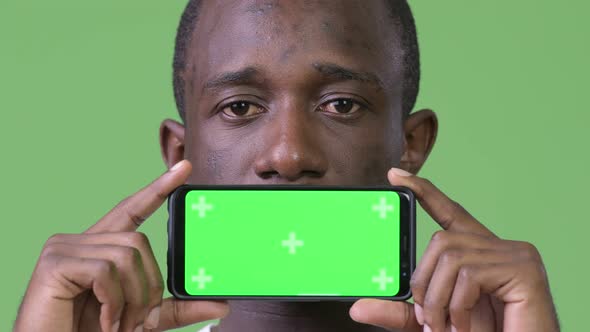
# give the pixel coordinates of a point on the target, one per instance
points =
(420, 129)
(171, 142)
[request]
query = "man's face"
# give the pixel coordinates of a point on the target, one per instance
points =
(305, 92)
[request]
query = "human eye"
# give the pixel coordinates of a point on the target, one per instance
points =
(341, 106)
(241, 109)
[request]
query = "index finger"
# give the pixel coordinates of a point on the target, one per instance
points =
(128, 215)
(447, 213)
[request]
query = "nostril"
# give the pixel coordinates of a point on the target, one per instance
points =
(269, 175)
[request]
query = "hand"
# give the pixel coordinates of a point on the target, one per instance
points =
(468, 278)
(107, 278)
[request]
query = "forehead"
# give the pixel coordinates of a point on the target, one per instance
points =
(283, 36)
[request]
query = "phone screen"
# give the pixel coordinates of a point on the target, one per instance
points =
(292, 243)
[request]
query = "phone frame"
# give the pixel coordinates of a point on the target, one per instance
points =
(175, 254)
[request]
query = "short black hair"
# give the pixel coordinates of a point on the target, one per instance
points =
(400, 13)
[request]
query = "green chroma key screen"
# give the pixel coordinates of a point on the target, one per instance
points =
(292, 243)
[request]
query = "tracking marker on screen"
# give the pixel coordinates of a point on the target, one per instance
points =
(202, 278)
(202, 206)
(383, 207)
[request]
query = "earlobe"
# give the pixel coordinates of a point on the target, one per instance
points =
(171, 142)
(420, 130)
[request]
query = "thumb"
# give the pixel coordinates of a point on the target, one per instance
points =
(178, 313)
(386, 314)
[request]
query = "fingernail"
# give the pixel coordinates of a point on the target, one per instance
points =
(115, 327)
(400, 172)
(427, 328)
(153, 318)
(176, 166)
(139, 328)
(453, 328)
(419, 314)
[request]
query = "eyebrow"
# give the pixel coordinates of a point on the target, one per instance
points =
(252, 76)
(248, 75)
(339, 73)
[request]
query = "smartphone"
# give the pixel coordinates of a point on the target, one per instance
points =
(291, 243)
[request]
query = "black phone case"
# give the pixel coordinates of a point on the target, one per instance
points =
(172, 260)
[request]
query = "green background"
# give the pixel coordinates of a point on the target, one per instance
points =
(85, 84)
(239, 242)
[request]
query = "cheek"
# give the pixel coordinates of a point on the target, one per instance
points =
(220, 158)
(367, 155)
(378, 159)
(219, 166)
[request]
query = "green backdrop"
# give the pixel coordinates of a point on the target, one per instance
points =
(85, 84)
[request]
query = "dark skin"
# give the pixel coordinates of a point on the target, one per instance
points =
(287, 71)
(291, 92)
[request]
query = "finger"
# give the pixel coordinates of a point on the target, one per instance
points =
(79, 274)
(444, 278)
(446, 212)
(465, 295)
(521, 285)
(499, 280)
(177, 313)
(440, 242)
(130, 269)
(133, 211)
(139, 241)
(386, 314)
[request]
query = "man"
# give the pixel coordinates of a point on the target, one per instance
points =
(292, 92)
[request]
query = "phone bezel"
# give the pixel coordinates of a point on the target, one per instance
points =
(175, 255)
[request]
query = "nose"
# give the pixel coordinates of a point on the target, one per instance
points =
(292, 148)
